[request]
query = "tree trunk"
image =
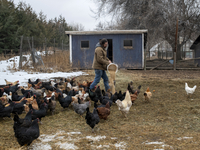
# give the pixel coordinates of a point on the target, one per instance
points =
(178, 53)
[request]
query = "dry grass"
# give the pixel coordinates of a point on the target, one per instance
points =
(168, 117)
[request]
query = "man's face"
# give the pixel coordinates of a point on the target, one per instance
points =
(105, 45)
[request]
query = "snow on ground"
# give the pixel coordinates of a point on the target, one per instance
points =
(161, 145)
(22, 76)
(66, 140)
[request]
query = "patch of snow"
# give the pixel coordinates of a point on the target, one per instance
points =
(97, 138)
(184, 138)
(113, 138)
(47, 138)
(67, 146)
(101, 146)
(40, 146)
(71, 133)
(155, 143)
(120, 146)
(23, 76)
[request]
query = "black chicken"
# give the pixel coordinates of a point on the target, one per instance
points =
(1, 92)
(19, 107)
(16, 97)
(27, 135)
(6, 111)
(92, 118)
(38, 113)
(64, 102)
(34, 82)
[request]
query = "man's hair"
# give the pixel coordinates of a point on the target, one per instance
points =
(103, 41)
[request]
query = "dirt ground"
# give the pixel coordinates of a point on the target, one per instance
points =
(170, 121)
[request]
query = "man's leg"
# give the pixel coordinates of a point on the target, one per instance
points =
(98, 74)
(105, 80)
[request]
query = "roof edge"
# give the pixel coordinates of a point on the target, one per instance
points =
(196, 42)
(106, 32)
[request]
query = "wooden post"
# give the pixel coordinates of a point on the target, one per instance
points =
(162, 54)
(45, 46)
(62, 45)
(145, 55)
(20, 58)
(32, 55)
(54, 46)
(174, 60)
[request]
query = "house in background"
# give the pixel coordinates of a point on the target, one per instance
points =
(196, 47)
(126, 47)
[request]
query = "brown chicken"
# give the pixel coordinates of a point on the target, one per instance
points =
(147, 95)
(30, 100)
(35, 105)
(12, 83)
(104, 112)
(134, 97)
(35, 86)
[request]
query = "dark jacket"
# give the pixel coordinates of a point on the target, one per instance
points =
(100, 61)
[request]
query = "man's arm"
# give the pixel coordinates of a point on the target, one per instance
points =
(100, 58)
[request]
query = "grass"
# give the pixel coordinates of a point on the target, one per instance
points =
(169, 116)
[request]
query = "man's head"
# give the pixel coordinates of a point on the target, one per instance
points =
(104, 43)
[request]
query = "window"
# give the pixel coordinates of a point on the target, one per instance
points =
(84, 44)
(128, 44)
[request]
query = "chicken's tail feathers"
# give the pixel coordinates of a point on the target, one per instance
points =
(95, 105)
(145, 94)
(139, 87)
(87, 109)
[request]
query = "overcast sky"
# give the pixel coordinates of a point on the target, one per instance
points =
(74, 11)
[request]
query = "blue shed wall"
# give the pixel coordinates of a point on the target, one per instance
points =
(125, 58)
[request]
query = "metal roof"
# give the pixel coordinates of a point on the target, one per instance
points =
(106, 32)
(196, 42)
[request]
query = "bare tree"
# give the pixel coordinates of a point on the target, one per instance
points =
(77, 27)
(158, 16)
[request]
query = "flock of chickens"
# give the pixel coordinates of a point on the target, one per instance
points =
(39, 97)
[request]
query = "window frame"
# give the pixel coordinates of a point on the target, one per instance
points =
(85, 47)
(128, 47)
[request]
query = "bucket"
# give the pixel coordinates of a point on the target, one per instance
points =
(112, 67)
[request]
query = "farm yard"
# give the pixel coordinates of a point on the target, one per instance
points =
(169, 121)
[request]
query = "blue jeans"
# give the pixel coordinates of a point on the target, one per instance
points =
(98, 75)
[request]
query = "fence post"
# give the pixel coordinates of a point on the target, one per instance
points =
(20, 58)
(32, 55)
(145, 59)
(45, 46)
(174, 60)
(62, 45)
(54, 46)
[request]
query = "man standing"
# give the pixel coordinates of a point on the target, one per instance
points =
(100, 64)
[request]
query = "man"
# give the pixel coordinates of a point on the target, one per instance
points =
(100, 64)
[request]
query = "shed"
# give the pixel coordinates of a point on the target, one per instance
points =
(196, 47)
(126, 47)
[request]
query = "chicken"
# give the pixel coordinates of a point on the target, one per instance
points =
(34, 82)
(35, 105)
(138, 90)
(134, 97)
(6, 111)
(64, 102)
(38, 92)
(125, 105)
(81, 108)
(190, 90)
(19, 107)
(147, 95)
(30, 100)
(11, 83)
(12, 89)
(38, 113)
(1, 91)
(103, 112)
(52, 103)
(104, 100)
(16, 97)
(73, 82)
(130, 88)
(26, 135)
(92, 118)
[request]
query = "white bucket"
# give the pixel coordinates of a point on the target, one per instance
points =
(113, 67)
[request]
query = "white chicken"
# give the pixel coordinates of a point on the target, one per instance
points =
(190, 90)
(125, 105)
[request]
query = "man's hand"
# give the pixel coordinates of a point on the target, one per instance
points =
(110, 61)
